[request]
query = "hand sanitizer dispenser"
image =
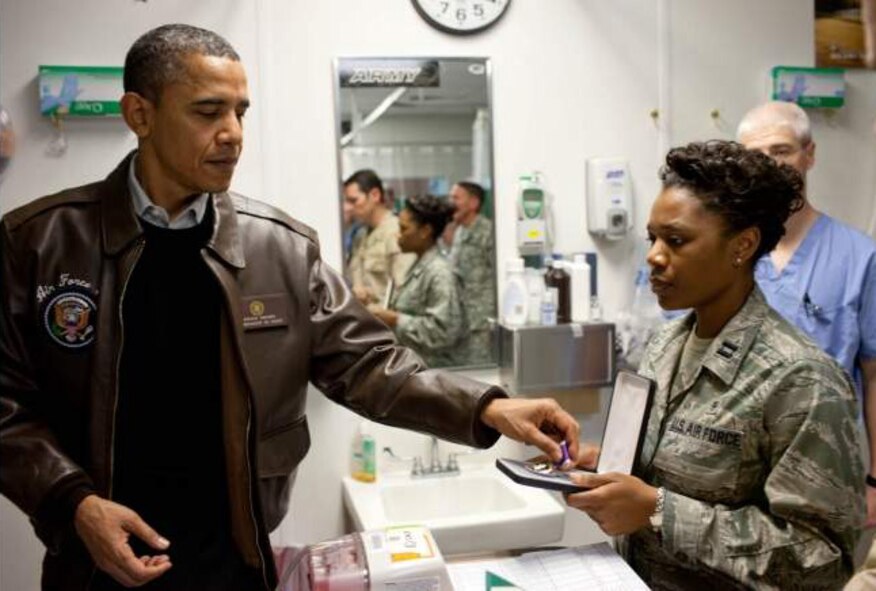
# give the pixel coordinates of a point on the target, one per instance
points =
(609, 198)
(532, 216)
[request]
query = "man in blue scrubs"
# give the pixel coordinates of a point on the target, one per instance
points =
(822, 275)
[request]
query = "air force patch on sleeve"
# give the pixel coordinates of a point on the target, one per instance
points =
(69, 319)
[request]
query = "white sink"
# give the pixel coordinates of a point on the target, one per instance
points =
(475, 511)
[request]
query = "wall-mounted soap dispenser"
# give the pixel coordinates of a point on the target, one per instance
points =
(609, 198)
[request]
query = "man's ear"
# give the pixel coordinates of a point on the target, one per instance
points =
(810, 155)
(138, 113)
(374, 195)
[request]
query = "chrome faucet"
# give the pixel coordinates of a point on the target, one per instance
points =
(434, 459)
(433, 466)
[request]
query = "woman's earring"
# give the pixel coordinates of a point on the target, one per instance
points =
(738, 262)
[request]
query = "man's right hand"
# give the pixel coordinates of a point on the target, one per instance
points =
(105, 527)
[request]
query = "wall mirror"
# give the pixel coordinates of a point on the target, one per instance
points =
(415, 151)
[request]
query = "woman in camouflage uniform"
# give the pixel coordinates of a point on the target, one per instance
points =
(750, 473)
(426, 310)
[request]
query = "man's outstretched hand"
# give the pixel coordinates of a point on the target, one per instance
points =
(539, 422)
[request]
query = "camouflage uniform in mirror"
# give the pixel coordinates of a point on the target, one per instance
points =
(759, 456)
(472, 257)
(377, 258)
(432, 320)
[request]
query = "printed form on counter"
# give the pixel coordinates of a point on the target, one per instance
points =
(595, 567)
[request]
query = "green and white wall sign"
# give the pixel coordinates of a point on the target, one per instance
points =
(80, 91)
(810, 87)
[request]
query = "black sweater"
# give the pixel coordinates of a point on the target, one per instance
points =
(169, 458)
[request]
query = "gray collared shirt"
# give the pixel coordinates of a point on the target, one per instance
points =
(157, 216)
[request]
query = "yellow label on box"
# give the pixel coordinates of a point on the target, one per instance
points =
(408, 543)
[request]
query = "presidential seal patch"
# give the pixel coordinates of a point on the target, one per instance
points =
(69, 319)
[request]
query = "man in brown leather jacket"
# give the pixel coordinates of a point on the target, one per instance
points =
(157, 335)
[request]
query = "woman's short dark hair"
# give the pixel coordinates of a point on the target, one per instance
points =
(743, 187)
(157, 57)
(432, 211)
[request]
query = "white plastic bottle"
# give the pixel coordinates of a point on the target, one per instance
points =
(595, 309)
(535, 292)
(549, 307)
(515, 297)
(579, 271)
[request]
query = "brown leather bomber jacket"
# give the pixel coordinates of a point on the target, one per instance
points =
(287, 319)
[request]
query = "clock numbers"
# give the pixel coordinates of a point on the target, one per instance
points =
(461, 17)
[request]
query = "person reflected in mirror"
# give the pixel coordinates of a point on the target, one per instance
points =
(750, 474)
(375, 258)
(426, 309)
(351, 229)
(446, 241)
(821, 277)
(472, 253)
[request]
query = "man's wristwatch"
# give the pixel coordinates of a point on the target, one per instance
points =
(656, 517)
(870, 481)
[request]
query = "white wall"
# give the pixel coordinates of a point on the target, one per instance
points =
(843, 182)
(572, 79)
(713, 68)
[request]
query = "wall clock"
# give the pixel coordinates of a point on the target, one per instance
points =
(461, 17)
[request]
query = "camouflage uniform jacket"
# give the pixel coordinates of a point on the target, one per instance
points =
(432, 319)
(472, 257)
(377, 258)
(759, 458)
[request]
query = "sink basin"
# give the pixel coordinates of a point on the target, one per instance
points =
(478, 510)
(451, 497)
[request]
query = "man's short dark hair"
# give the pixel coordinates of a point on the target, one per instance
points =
(156, 58)
(475, 190)
(366, 179)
